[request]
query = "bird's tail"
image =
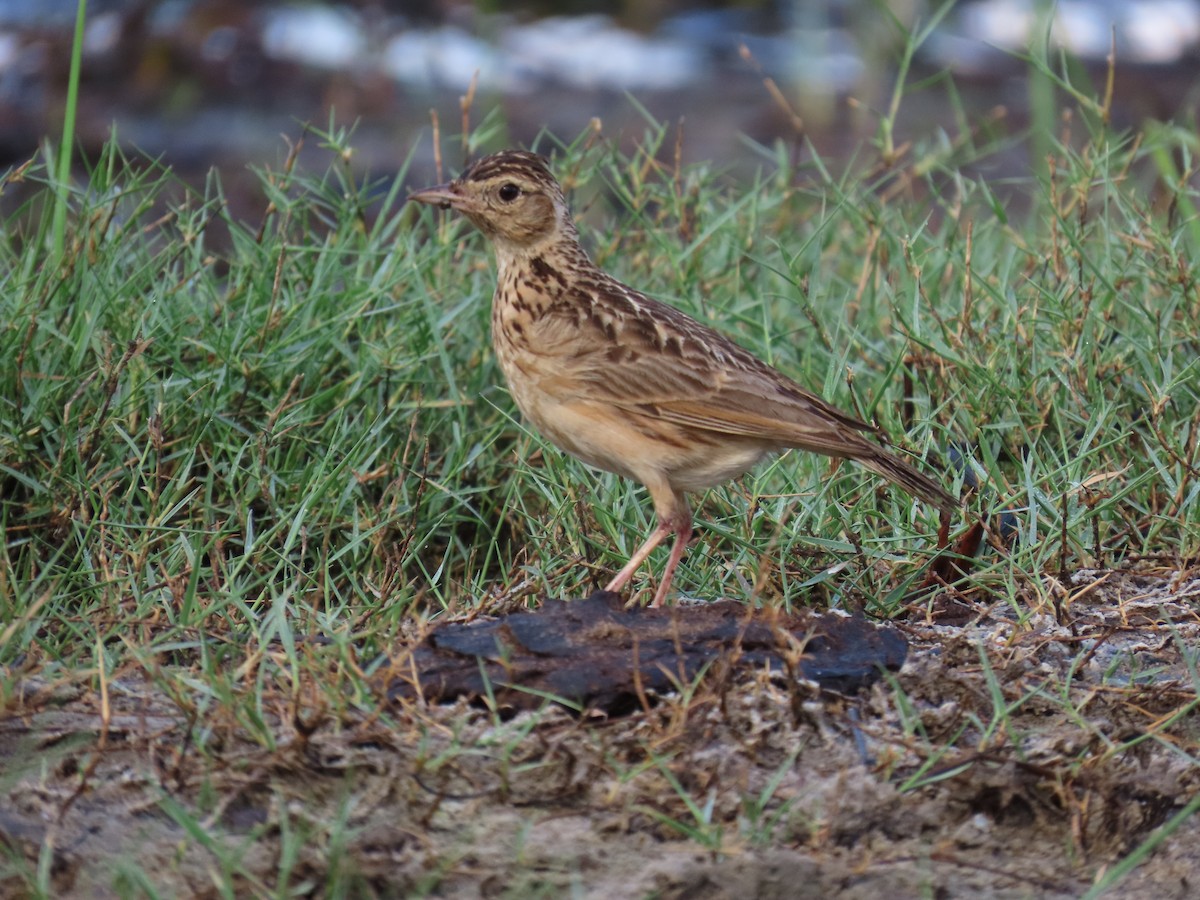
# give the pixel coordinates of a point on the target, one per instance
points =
(902, 474)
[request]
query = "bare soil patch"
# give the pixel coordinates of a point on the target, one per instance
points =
(1003, 760)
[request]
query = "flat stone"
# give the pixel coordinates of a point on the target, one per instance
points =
(596, 654)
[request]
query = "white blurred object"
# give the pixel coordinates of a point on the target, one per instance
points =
(1162, 31)
(592, 52)
(1083, 28)
(1146, 31)
(10, 50)
(325, 37)
(585, 52)
(445, 57)
(101, 34)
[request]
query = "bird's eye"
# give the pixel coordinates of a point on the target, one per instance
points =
(509, 192)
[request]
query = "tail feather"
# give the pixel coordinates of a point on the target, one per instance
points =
(903, 475)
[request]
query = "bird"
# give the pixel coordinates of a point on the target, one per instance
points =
(630, 384)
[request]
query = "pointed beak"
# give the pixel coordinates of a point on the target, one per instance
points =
(444, 196)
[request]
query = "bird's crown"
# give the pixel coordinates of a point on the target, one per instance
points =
(520, 165)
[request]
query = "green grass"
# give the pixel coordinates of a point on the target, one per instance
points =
(304, 430)
(222, 439)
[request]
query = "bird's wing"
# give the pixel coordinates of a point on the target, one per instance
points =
(628, 350)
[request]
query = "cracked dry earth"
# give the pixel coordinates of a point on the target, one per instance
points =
(1004, 760)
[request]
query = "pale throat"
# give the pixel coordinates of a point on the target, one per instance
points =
(515, 258)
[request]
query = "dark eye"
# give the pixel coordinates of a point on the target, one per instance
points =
(509, 192)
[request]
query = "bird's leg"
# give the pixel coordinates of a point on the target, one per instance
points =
(656, 537)
(674, 517)
(683, 534)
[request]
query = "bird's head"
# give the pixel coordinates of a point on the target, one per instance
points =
(511, 197)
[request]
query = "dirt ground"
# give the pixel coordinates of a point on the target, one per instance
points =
(1002, 761)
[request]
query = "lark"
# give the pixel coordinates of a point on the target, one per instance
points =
(629, 384)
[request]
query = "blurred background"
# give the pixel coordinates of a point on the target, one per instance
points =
(203, 83)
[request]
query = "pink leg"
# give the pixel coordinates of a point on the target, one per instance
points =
(683, 533)
(674, 517)
(622, 577)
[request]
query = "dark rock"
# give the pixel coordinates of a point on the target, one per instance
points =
(595, 654)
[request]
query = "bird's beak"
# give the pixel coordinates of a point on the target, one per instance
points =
(445, 196)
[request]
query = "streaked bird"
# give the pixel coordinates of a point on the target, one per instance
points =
(627, 383)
